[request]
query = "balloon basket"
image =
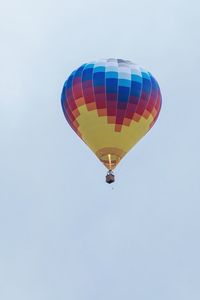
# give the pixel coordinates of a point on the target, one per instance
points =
(110, 177)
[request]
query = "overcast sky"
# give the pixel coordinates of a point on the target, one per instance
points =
(64, 233)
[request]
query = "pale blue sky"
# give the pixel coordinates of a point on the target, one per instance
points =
(65, 233)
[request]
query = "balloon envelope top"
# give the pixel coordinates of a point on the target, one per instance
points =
(111, 104)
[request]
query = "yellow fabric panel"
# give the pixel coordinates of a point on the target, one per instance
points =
(98, 134)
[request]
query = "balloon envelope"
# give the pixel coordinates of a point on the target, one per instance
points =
(111, 104)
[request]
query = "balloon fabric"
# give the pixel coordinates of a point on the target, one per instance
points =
(111, 104)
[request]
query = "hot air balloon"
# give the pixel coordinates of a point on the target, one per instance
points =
(111, 104)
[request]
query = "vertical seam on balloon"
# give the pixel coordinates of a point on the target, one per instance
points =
(128, 95)
(106, 100)
(71, 111)
(73, 89)
(154, 119)
(94, 98)
(116, 62)
(94, 89)
(151, 91)
(159, 98)
(117, 92)
(139, 69)
(66, 112)
(81, 84)
(82, 81)
(139, 96)
(157, 86)
(93, 86)
(149, 94)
